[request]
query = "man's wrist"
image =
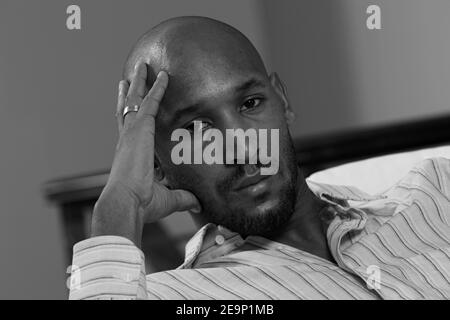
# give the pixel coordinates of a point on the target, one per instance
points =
(117, 214)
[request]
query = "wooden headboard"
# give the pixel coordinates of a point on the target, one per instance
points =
(76, 196)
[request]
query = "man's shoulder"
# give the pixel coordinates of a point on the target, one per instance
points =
(435, 164)
(423, 193)
(434, 172)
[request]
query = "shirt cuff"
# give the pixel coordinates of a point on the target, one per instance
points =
(107, 267)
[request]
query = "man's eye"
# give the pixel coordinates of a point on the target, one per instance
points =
(197, 125)
(251, 103)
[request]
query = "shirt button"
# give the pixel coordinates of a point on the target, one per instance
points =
(220, 239)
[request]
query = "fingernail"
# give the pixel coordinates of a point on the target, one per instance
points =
(160, 74)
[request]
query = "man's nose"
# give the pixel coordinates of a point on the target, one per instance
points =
(241, 144)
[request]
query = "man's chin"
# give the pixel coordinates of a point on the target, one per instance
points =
(259, 207)
(262, 209)
(262, 220)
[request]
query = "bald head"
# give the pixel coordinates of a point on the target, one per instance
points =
(184, 46)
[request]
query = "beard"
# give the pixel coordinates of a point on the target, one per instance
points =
(266, 222)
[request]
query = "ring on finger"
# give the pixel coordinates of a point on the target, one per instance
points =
(129, 109)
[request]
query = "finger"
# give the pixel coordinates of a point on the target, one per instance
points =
(136, 91)
(152, 100)
(123, 89)
(138, 84)
(182, 200)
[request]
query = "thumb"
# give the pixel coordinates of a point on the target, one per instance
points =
(183, 200)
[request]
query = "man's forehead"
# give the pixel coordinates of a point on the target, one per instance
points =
(196, 68)
(208, 77)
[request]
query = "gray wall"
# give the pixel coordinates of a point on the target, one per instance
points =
(342, 75)
(58, 88)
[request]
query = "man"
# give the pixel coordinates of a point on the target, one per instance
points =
(260, 237)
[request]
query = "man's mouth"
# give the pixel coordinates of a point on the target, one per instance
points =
(253, 183)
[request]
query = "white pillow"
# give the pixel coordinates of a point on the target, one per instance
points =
(375, 175)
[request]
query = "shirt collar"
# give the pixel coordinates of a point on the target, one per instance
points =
(340, 193)
(204, 243)
(205, 239)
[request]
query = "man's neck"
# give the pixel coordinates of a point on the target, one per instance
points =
(306, 230)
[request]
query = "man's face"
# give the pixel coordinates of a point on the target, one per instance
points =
(236, 196)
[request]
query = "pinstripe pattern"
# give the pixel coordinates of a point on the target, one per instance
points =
(405, 232)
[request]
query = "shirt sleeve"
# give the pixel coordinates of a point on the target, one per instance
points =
(107, 267)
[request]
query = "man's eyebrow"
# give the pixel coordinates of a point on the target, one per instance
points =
(249, 84)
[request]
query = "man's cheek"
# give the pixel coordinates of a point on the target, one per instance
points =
(192, 177)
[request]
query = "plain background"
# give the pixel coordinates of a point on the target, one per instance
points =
(58, 91)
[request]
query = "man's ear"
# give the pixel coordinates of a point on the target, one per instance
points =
(159, 172)
(281, 91)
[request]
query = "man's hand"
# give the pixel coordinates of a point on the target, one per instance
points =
(132, 196)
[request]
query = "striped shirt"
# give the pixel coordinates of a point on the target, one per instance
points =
(393, 245)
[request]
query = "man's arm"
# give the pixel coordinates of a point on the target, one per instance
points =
(110, 265)
(132, 196)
